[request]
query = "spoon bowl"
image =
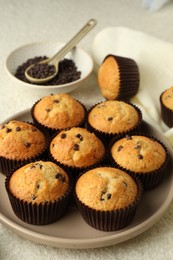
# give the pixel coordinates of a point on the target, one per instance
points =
(47, 71)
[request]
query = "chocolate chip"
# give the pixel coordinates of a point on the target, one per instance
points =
(27, 144)
(110, 118)
(120, 148)
(79, 136)
(18, 128)
(76, 147)
(48, 110)
(109, 195)
(53, 145)
(63, 135)
(137, 146)
(8, 130)
(103, 193)
(56, 101)
(32, 166)
(140, 156)
(41, 166)
(33, 197)
(41, 70)
(60, 177)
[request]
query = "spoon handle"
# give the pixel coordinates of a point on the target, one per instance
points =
(76, 38)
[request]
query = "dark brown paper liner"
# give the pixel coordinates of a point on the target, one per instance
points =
(39, 214)
(166, 113)
(129, 77)
(110, 220)
(51, 131)
(7, 164)
(107, 137)
(151, 179)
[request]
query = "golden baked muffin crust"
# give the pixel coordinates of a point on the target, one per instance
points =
(167, 98)
(106, 189)
(39, 182)
(113, 116)
(109, 78)
(77, 147)
(20, 140)
(138, 154)
(59, 111)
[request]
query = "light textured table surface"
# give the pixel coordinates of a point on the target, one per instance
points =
(22, 22)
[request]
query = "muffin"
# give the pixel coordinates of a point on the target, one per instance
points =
(113, 117)
(141, 156)
(118, 78)
(39, 192)
(107, 198)
(56, 112)
(20, 142)
(76, 149)
(166, 103)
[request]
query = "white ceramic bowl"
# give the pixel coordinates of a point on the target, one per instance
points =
(82, 60)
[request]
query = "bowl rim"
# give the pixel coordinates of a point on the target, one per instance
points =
(30, 85)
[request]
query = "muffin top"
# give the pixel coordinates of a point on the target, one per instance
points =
(109, 78)
(167, 98)
(138, 153)
(77, 147)
(59, 111)
(20, 140)
(39, 182)
(113, 116)
(106, 188)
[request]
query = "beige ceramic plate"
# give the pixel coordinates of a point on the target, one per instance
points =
(72, 231)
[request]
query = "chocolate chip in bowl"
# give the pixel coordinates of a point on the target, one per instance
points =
(68, 71)
(40, 71)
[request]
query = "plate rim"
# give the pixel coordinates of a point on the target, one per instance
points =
(89, 242)
(85, 243)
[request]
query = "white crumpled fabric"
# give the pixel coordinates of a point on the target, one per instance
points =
(155, 60)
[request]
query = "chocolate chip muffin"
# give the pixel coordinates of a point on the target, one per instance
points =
(118, 77)
(141, 156)
(113, 117)
(56, 112)
(77, 148)
(20, 142)
(39, 192)
(166, 103)
(107, 197)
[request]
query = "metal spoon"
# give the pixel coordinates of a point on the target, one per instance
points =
(60, 54)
